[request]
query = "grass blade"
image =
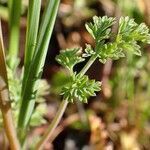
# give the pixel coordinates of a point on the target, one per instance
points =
(14, 21)
(31, 36)
(36, 66)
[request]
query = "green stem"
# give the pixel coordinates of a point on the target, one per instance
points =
(53, 125)
(61, 111)
(88, 65)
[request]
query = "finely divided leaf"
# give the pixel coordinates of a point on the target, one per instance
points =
(110, 50)
(80, 88)
(89, 51)
(69, 58)
(130, 34)
(100, 29)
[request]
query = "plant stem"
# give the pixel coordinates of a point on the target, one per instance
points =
(9, 125)
(5, 104)
(61, 110)
(53, 125)
(88, 65)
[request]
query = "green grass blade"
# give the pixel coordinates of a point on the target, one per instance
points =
(14, 22)
(37, 64)
(31, 35)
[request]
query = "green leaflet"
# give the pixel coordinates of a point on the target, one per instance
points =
(89, 51)
(80, 88)
(100, 29)
(109, 51)
(69, 58)
(130, 30)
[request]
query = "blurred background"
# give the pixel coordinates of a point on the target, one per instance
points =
(118, 118)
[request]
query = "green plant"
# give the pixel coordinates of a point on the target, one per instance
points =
(36, 50)
(37, 40)
(79, 87)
